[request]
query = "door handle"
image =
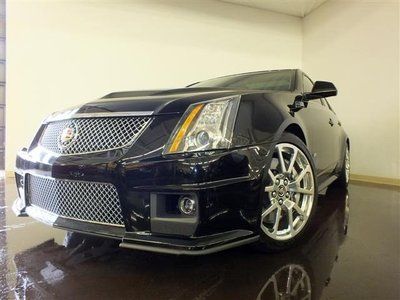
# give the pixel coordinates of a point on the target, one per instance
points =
(331, 122)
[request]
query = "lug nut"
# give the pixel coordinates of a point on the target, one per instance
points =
(280, 201)
(277, 182)
(285, 182)
(287, 194)
(274, 194)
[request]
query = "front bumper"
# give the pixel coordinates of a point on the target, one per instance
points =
(225, 184)
(144, 241)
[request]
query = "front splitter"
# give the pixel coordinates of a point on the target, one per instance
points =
(190, 246)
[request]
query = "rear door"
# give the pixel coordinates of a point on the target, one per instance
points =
(338, 146)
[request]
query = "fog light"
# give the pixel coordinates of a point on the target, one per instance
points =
(187, 205)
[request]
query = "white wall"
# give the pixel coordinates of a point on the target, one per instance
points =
(62, 53)
(355, 44)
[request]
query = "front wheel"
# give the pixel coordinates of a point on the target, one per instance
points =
(290, 196)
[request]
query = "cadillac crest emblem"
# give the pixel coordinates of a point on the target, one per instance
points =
(67, 136)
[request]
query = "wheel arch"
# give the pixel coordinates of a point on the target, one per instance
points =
(296, 130)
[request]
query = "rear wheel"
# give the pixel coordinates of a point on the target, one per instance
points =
(290, 195)
(344, 175)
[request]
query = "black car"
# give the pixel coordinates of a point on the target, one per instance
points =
(221, 163)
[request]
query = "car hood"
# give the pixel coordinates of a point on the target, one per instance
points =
(155, 101)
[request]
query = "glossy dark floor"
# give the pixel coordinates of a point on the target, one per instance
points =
(364, 264)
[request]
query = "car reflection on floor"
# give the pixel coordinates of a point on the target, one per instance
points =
(99, 269)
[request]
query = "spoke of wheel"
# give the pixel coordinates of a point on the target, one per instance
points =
(271, 175)
(289, 280)
(269, 188)
(276, 290)
(298, 209)
(274, 283)
(277, 219)
(296, 198)
(295, 187)
(292, 161)
(290, 216)
(302, 174)
(268, 211)
(304, 191)
(299, 282)
(281, 160)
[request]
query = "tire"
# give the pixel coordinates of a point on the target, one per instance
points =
(290, 194)
(344, 175)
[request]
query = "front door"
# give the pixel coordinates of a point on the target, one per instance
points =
(321, 138)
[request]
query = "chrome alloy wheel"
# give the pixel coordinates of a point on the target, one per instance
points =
(290, 193)
(347, 164)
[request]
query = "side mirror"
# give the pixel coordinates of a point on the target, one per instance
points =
(321, 89)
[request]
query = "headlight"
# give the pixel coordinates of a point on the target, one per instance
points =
(205, 126)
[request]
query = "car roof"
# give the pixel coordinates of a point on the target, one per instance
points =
(254, 72)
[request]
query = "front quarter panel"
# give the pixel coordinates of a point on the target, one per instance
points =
(263, 117)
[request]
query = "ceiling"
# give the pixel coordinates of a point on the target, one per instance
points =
(298, 8)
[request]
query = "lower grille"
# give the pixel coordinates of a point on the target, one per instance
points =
(84, 201)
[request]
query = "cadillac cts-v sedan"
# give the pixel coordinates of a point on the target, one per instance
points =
(223, 162)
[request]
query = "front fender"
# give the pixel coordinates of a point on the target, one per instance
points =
(262, 118)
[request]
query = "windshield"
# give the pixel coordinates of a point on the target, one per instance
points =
(271, 80)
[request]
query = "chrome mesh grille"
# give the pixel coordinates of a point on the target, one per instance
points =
(85, 201)
(93, 134)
